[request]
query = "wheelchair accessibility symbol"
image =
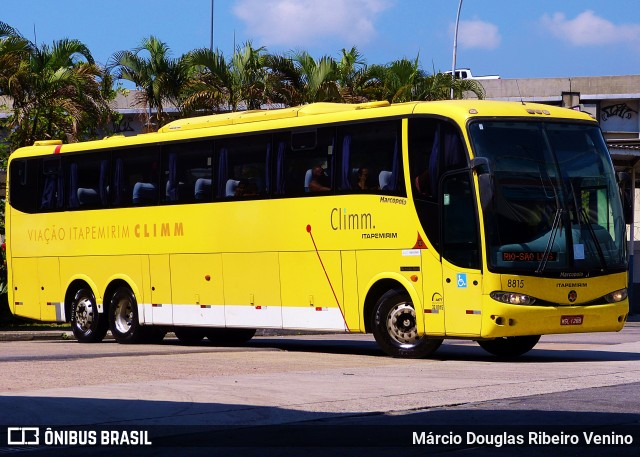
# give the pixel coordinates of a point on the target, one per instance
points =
(461, 279)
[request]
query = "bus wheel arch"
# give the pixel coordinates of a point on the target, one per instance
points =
(392, 320)
(87, 324)
(376, 291)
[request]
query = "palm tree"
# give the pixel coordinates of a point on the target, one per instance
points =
(303, 79)
(396, 81)
(218, 85)
(159, 78)
(14, 49)
(461, 86)
(249, 73)
(354, 78)
(53, 89)
(285, 83)
(210, 85)
(402, 80)
(438, 87)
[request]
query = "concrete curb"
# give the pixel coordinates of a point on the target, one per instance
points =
(28, 335)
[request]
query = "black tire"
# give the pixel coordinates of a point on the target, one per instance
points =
(395, 330)
(511, 346)
(123, 318)
(230, 336)
(189, 336)
(87, 324)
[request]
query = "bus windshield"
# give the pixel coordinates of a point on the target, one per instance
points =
(555, 205)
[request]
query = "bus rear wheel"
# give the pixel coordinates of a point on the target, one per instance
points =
(510, 346)
(124, 323)
(395, 328)
(87, 324)
(230, 336)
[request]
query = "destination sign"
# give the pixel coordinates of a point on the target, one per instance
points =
(528, 256)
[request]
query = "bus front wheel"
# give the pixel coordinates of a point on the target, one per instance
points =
(395, 328)
(124, 323)
(87, 324)
(510, 346)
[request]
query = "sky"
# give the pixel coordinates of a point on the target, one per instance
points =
(510, 38)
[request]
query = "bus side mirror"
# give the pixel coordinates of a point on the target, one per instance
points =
(482, 168)
(626, 189)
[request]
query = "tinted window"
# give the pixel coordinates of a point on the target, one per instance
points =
(51, 185)
(301, 170)
(187, 174)
(460, 244)
(87, 181)
(371, 158)
(435, 147)
(23, 179)
(135, 177)
(242, 166)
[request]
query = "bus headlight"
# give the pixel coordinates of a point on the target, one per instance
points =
(615, 297)
(512, 298)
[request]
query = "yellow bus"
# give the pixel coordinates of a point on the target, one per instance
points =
(489, 221)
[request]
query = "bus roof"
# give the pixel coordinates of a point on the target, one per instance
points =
(310, 115)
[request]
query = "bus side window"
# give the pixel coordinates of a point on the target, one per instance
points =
(435, 147)
(51, 185)
(304, 162)
(135, 177)
(87, 177)
(243, 167)
(187, 174)
(370, 158)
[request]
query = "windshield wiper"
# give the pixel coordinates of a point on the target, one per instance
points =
(585, 217)
(557, 219)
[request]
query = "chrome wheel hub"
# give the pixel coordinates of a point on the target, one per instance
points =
(123, 316)
(84, 314)
(401, 324)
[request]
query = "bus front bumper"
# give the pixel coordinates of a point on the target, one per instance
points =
(503, 320)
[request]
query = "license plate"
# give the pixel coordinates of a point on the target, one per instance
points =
(571, 320)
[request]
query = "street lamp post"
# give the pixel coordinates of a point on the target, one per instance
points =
(455, 47)
(211, 41)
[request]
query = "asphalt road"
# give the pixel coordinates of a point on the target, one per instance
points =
(323, 394)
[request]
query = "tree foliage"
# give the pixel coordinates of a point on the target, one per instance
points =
(58, 91)
(54, 91)
(159, 78)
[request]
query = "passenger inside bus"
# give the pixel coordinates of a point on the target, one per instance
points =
(364, 180)
(319, 180)
(422, 183)
(246, 188)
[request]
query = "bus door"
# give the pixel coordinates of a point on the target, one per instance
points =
(461, 274)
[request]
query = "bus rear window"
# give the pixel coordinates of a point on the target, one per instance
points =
(23, 176)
